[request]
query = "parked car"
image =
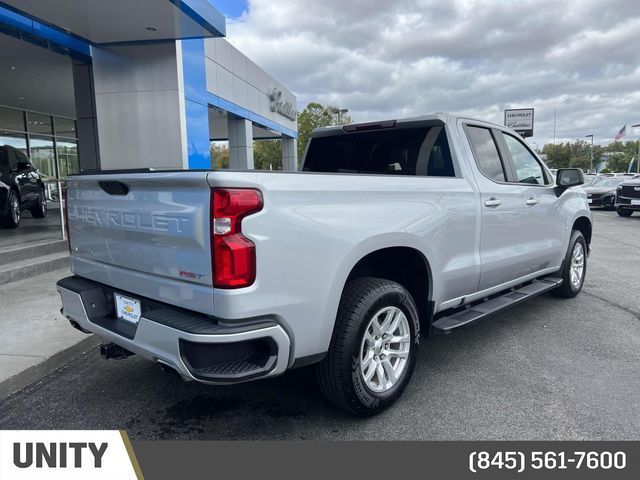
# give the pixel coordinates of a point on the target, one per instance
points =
(602, 193)
(394, 230)
(628, 197)
(21, 187)
(589, 178)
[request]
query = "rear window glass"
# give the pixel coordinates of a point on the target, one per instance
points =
(408, 151)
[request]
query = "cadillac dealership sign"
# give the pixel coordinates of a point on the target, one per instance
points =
(520, 120)
(286, 108)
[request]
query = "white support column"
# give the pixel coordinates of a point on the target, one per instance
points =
(240, 143)
(289, 154)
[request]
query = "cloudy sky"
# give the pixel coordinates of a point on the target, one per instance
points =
(390, 59)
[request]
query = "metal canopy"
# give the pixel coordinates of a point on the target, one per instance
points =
(118, 21)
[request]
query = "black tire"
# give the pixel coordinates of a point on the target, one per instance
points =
(568, 289)
(339, 375)
(11, 218)
(40, 211)
(623, 212)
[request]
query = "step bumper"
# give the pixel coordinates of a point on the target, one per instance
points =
(197, 347)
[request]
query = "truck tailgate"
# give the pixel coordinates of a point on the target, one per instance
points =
(145, 233)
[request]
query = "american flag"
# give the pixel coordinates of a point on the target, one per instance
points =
(621, 133)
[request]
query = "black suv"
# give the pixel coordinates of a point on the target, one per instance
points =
(628, 197)
(21, 187)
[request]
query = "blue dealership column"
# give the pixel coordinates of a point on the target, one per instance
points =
(196, 107)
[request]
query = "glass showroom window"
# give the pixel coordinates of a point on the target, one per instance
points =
(16, 140)
(65, 127)
(67, 157)
(39, 123)
(12, 129)
(11, 119)
(43, 157)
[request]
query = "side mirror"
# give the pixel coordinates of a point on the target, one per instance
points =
(568, 177)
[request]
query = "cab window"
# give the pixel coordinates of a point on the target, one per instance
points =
(527, 168)
(486, 153)
(420, 151)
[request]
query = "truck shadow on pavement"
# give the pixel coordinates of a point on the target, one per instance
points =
(459, 389)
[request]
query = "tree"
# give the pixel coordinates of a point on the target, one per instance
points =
(219, 154)
(313, 116)
(574, 154)
(267, 154)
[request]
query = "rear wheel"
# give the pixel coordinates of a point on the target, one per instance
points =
(40, 210)
(373, 349)
(623, 212)
(11, 218)
(575, 267)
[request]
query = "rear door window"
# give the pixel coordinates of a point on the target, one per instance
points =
(420, 151)
(486, 153)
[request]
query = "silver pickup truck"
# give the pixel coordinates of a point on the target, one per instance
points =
(392, 231)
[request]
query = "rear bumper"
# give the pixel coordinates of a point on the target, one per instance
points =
(197, 347)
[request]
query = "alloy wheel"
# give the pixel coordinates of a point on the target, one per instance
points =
(577, 265)
(385, 348)
(15, 209)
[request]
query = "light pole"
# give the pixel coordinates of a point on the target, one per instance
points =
(339, 112)
(638, 158)
(591, 167)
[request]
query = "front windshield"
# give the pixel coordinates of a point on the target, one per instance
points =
(608, 181)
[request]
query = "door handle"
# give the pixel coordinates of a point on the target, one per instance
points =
(531, 201)
(492, 202)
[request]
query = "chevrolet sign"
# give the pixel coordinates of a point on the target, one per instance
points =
(520, 120)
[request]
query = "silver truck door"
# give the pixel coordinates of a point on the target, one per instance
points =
(502, 237)
(544, 238)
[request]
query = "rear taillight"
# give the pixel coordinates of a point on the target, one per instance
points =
(233, 256)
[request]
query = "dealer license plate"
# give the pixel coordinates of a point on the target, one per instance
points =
(635, 202)
(128, 309)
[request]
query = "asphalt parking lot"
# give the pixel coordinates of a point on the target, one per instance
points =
(549, 369)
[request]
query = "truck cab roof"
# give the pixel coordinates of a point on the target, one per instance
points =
(437, 118)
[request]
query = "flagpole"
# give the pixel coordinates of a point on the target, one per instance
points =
(638, 158)
(555, 114)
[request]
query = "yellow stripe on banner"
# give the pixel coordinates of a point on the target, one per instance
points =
(132, 454)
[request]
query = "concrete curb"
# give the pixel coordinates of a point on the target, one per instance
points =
(38, 372)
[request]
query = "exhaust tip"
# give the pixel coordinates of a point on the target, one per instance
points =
(77, 326)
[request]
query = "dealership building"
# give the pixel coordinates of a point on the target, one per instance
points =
(121, 84)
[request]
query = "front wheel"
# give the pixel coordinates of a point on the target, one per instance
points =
(575, 266)
(623, 212)
(373, 348)
(40, 210)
